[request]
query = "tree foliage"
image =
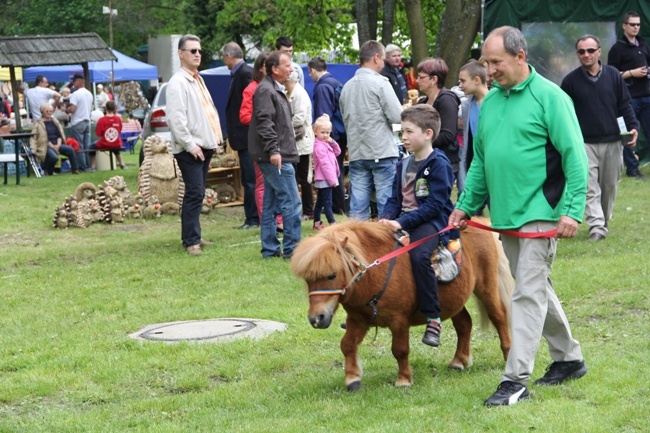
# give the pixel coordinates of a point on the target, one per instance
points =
(316, 26)
(135, 21)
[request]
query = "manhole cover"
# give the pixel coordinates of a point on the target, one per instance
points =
(212, 330)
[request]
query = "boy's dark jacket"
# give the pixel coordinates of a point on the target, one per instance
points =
(436, 206)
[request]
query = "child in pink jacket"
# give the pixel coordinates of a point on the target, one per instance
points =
(326, 170)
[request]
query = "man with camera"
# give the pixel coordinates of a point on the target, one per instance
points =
(631, 56)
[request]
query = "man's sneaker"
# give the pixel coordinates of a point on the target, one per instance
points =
(558, 372)
(432, 333)
(508, 393)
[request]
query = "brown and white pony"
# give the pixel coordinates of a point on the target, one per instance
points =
(333, 263)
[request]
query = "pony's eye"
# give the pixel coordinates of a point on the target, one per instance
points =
(331, 277)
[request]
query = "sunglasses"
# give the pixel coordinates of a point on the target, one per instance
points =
(588, 50)
(195, 50)
(633, 24)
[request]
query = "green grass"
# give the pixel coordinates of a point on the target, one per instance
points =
(70, 298)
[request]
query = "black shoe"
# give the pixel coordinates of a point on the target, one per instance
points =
(558, 372)
(594, 237)
(636, 174)
(274, 255)
(248, 226)
(432, 334)
(507, 394)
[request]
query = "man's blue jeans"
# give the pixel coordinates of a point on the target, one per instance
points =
(641, 108)
(364, 174)
(81, 133)
(280, 192)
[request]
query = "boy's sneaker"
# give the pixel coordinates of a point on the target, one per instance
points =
(432, 333)
(558, 372)
(318, 225)
(507, 394)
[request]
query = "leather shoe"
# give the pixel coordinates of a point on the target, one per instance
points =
(594, 237)
(206, 243)
(275, 254)
(194, 250)
(636, 174)
(248, 226)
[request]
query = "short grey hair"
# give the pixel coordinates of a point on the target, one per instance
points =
(44, 107)
(233, 50)
(513, 40)
(183, 40)
(588, 36)
(392, 47)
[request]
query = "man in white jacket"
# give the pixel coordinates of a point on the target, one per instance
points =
(196, 134)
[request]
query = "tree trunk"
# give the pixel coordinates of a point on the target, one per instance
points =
(367, 14)
(417, 30)
(388, 22)
(460, 24)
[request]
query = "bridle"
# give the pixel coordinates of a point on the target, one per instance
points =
(360, 270)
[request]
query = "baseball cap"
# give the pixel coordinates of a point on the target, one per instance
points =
(77, 76)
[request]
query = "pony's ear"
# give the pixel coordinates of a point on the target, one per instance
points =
(344, 242)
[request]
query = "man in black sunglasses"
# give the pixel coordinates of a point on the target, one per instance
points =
(631, 56)
(599, 97)
(196, 134)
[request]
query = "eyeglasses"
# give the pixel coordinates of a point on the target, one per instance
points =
(588, 50)
(633, 24)
(195, 50)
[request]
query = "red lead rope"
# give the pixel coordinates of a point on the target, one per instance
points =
(514, 233)
(362, 269)
(517, 234)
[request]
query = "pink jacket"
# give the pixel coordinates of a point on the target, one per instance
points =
(325, 165)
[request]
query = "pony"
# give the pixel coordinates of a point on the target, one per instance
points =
(337, 265)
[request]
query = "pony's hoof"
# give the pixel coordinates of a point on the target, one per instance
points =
(457, 367)
(403, 383)
(354, 386)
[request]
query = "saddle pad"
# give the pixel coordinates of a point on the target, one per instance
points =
(446, 261)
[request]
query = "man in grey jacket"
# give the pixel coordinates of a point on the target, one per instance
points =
(272, 143)
(196, 134)
(370, 107)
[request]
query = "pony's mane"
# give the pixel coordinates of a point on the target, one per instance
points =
(331, 250)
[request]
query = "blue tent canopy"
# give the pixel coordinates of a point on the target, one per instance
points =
(218, 80)
(124, 69)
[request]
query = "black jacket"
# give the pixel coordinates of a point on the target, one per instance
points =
(271, 130)
(237, 132)
(447, 106)
(392, 75)
(625, 56)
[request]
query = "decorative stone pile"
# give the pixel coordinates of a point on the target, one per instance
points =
(160, 192)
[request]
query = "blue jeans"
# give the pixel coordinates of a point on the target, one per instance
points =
(426, 282)
(195, 173)
(365, 174)
(81, 133)
(641, 108)
(324, 203)
(248, 182)
(52, 157)
(280, 192)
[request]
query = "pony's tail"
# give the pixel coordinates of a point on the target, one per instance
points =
(506, 285)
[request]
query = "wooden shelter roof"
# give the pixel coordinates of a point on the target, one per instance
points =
(48, 50)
